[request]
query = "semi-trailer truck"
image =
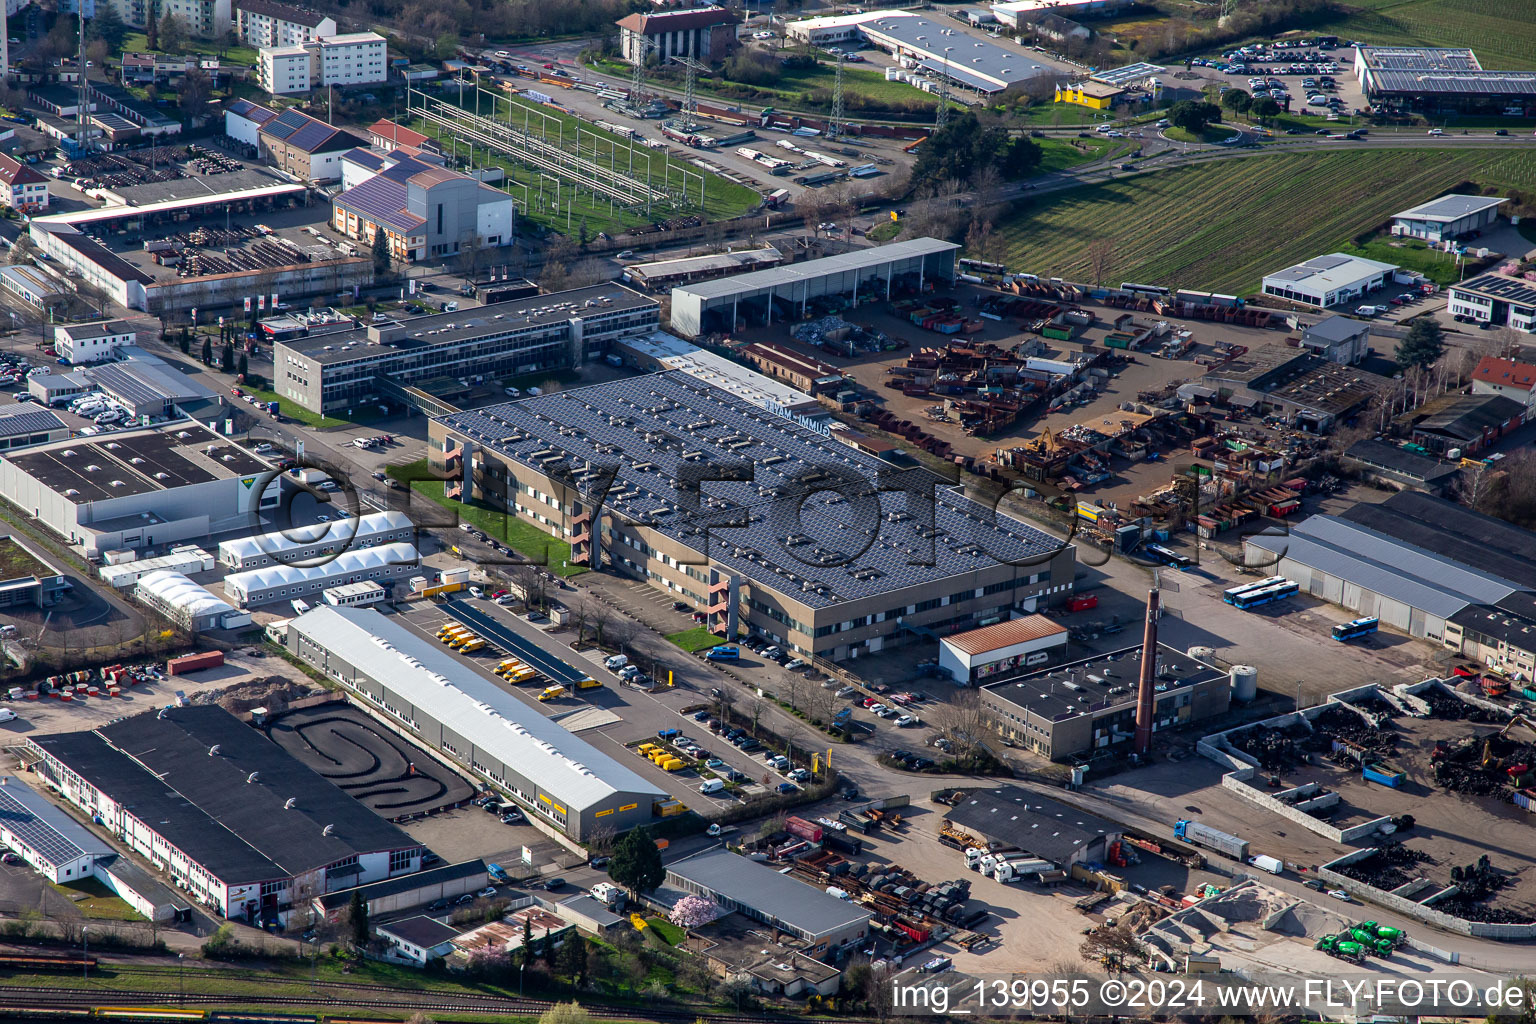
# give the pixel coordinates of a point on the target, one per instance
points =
(1210, 838)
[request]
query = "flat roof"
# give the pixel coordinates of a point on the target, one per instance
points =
(1067, 691)
(779, 277)
(1333, 271)
(1005, 634)
(469, 324)
(1457, 83)
(1130, 74)
(543, 751)
(995, 66)
(1489, 545)
(405, 883)
(1516, 628)
(743, 381)
(1051, 830)
(218, 790)
(136, 462)
(1385, 565)
(1397, 459)
(1419, 58)
(1501, 287)
(1452, 207)
(44, 826)
(765, 890)
(705, 264)
(795, 538)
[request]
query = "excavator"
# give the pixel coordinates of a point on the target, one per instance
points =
(1491, 762)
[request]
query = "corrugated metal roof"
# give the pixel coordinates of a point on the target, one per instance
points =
(763, 889)
(473, 707)
(859, 259)
(1005, 634)
(1378, 563)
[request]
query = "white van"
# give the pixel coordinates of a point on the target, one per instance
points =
(616, 662)
(709, 786)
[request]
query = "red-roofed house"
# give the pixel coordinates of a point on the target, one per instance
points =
(1505, 377)
(22, 188)
(707, 33)
(388, 136)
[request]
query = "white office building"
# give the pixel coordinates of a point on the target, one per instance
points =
(1328, 280)
(93, 342)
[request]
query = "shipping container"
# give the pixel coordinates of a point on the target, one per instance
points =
(1384, 774)
(809, 831)
(1082, 602)
(194, 662)
(1214, 839)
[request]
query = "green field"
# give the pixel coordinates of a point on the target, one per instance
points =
(138, 42)
(1221, 225)
(1060, 154)
(695, 640)
(1437, 265)
(1044, 115)
(95, 901)
(810, 89)
(1502, 32)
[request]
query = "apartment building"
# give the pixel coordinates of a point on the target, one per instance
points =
(353, 59)
(21, 187)
(763, 545)
(268, 23)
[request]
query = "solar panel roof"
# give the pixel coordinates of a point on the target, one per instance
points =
(1498, 286)
(44, 828)
(28, 421)
(814, 525)
(381, 199)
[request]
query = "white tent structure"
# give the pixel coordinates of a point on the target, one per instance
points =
(316, 543)
(189, 605)
(285, 582)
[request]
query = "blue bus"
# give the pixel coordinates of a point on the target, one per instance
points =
(1355, 627)
(1267, 595)
(1231, 594)
(1168, 557)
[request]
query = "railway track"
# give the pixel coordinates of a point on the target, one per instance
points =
(368, 995)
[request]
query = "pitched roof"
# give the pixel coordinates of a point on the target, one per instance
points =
(14, 172)
(1335, 328)
(1454, 531)
(420, 931)
(1005, 634)
(1505, 372)
(677, 21)
(387, 129)
(1466, 417)
(309, 134)
(250, 111)
(281, 12)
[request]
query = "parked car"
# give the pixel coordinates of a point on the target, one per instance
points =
(785, 788)
(1340, 894)
(489, 890)
(555, 884)
(847, 691)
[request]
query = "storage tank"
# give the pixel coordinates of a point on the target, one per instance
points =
(1245, 682)
(1201, 653)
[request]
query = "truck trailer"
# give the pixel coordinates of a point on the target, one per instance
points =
(1212, 839)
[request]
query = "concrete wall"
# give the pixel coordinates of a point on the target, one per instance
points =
(299, 281)
(1418, 911)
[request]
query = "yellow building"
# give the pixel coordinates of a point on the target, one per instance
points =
(1089, 93)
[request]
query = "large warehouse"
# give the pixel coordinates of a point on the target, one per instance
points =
(318, 543)
(402, 676)
(1013, 817)
(1441, 79)
(1448, 217)
(139, 488)
(839, 574)
(1414, 560)
(226, 813)
(873, 274)
(282, 582)
(1328, 280)
(336, 372)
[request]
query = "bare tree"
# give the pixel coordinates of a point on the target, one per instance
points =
(755, 707)
(820, 704)
(1115, 947)
(1101, 254)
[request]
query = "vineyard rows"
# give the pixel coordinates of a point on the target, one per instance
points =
(1222, 225)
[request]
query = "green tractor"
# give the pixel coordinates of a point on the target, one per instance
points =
(1341, 947)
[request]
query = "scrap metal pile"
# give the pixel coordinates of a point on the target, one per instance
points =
(1479, 882)
(836, 335)
(1442, 705)
(1391, 865)
(1492, 765)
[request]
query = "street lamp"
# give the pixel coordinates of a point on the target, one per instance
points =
(85, 954)
(181, 975)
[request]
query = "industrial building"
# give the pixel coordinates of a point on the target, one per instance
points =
(1414, 560)
(447, 881)
(1393, 464)
(230, 816)
(968, 62)
(183, 558)
(424, 209)
(1452, 216)
(285, 582)
(664, 274)
(826, 923)
(785, 293)
(1307, 390)
(189, 605)
(141, 383)
(795, 368)
(988, 654)
(337, 372)
(1338, 339)
(23, 425)
(1506, 377)
(1328, 280)
(1501, 636)
(1460, 426)
(36, 286)
(317, 543)
(56, 846)
(660, 351)
(29, 580)
(1439, 80)
(1496, 299)
(754, 550)
(138, 488)
(1089, 706)
(704, 33)
(407, 679)
(92, 342)
(1011, 817)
